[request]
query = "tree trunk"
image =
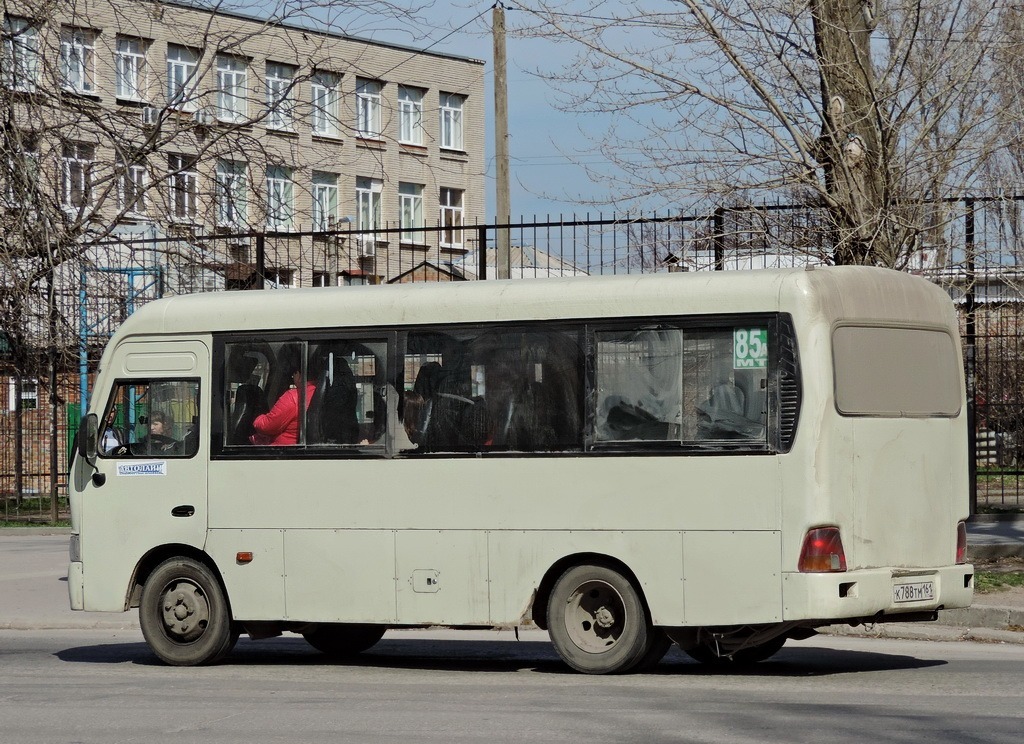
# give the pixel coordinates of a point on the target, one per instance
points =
(851, 144)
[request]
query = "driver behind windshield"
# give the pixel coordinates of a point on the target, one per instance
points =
(159, 439)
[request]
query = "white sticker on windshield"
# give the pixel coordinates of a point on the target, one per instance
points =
(158, 467)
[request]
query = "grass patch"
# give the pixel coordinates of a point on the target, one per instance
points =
(986, 582)
(34, 523)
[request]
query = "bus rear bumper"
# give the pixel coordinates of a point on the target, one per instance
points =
(76, 585)
(877, 593)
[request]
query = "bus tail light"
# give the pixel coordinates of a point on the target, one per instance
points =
(822, 551)
(961, 542)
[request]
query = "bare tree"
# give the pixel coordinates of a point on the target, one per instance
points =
(92, 138)
(865, 108)
(99, 143)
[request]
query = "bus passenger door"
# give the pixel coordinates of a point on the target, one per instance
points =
(150, 488)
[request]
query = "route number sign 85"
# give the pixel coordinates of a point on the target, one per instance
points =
(750, 348)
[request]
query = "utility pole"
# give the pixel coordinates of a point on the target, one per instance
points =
(501, 167)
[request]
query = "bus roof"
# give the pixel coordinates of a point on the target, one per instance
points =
(834, 292)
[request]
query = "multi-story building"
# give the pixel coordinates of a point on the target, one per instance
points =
(172, 121)
(154, 147)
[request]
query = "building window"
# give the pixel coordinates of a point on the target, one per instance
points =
(22, 172)
(78, 59)
(20, 61)
(410, 115)
(410, 211)
(451, 217)
(184, 186)
(182, 73)
(231, 193)
(231, 81)
(131, 187)
(325, 279)
(325, 95)
(368, 191)
(325, 200)
(28, 399)
(76, 174)
(280, 194)
(280, 99)
(130, 68)
(368, 109)
(451, 121)
(280, 278)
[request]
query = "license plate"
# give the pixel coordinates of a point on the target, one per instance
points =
(921, 591)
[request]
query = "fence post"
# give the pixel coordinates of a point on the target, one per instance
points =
(718, 239)
(970, 341)
(261, 260)
(482, 249)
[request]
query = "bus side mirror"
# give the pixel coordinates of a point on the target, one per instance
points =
(88, 438)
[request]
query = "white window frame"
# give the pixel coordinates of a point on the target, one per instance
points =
(77, 160)
(325, 98)
(452, 217)
(410, 212)
(29, 392)
(231, 196)
(183, 187)
(78, 59)
(368, 108)
(20, 62)
(280, 81)
(452, 121)
(410, 115)
(325, 200)
(182, 76)
(369, 207)
(131, 73)
(132, 182)
(232, 78)
(280, 198)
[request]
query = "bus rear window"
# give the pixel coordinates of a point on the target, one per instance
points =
(895, 372)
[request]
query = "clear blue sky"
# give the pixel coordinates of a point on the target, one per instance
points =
(545, 143)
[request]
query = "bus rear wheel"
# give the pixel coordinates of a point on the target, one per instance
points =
(597, 621)
(343, 639)
(184, 614)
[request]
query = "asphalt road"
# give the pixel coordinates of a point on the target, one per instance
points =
(85, 678)
(101, 686)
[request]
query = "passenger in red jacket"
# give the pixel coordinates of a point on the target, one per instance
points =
(280, 426)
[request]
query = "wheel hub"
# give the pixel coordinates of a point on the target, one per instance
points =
(186, 612)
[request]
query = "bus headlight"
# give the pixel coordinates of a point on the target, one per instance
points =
(75, 549)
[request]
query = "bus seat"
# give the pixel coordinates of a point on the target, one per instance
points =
(250, 402)
(332, 409)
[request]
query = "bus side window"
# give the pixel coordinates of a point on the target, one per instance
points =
(347, 404)
(731, 396)
(639, 385)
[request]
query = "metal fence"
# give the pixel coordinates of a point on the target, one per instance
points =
(974, 249)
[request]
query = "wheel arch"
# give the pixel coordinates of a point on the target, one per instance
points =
(148, 563)
(542, 594)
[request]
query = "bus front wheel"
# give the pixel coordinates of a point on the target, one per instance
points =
(184, 614)
(597, 621)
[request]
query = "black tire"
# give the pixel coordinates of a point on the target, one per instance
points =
(705, 653)
(658, 645)
(184, 614)
(343, 639)
(597, 621)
